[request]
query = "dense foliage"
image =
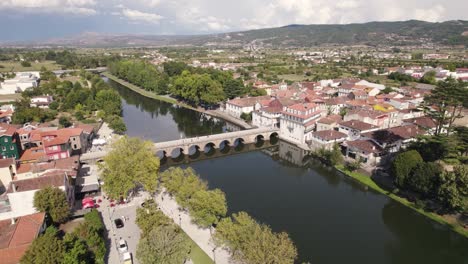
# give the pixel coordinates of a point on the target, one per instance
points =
(196, 86)
(85, 245)
(130, 164)
(162, 241)
(254, 243)
(403, 164)
(76, 98)
(54, 202)
(205, 206)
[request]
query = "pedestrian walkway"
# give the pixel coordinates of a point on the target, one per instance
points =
(201, 236)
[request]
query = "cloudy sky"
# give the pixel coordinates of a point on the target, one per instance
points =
(43, 19)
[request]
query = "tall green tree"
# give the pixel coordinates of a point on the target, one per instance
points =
(76, 251)
(453, 191)
(149, 217)
(183, 183)
(54, 202)
(130, 163)
(403, 164)
(208, 207)
(254, 243)
(46, 249)
(446, 102)
(425, 178)
(164, 244)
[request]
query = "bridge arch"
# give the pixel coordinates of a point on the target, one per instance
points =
(193, 150)
(161, 154)
(177, 152)
(224, 143)
(238, 142)
(259, 138)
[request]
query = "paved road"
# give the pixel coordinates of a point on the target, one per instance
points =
(130, 232)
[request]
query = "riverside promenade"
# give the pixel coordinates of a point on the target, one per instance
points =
(201, 236)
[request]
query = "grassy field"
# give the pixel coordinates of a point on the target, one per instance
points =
(366, 180)
(293, 77)
(4, 98)
(197, 255)
(14, 66)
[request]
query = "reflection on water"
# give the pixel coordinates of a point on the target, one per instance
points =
(331, 218)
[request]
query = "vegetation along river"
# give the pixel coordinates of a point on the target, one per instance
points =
(331, 219)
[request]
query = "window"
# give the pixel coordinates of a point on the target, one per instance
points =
(6, 139)
(3, 148)
(12, 148)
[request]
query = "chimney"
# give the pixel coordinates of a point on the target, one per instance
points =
(373, 147)
(13, 186)
(13, 221)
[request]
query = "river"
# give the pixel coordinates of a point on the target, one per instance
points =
(330, 218)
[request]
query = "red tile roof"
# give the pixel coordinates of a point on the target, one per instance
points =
(330, 119)
(423, 121)
(5, 163)
(33, 154)
(16, 238)
(357, 125)
(367, 146)
(329, 135)
(37, 183)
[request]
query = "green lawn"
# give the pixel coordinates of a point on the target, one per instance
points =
(197, 255)
(14, 66)
(364, 179)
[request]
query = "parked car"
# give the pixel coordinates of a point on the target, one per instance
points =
(123, 246)
(118, 223)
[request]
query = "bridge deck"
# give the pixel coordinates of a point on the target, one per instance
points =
(216, 137)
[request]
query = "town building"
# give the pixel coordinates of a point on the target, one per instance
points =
(236, 107)
(367, 151)
(10, 146)
(17, 235)
(354, 128)
(298, 122)
(41, 101)
(325, 139)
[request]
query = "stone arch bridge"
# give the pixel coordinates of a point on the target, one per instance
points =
(199, 143)
(215, 141)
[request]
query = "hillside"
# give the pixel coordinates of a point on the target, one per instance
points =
(411, 32)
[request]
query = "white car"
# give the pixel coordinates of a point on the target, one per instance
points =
(123, 246)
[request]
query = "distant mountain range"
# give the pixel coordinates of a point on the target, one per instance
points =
(412, 32)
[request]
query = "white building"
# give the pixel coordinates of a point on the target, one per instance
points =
(236, 107)
(297, 122)
(20, 193)
(41, 101)
(21, 82)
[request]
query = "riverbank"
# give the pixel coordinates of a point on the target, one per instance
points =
(366, 180)
(167, 99)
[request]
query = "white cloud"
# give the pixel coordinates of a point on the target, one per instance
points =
(78, 7)
(139, 16)
(432, 14)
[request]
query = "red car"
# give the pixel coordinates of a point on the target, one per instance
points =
(88, 202)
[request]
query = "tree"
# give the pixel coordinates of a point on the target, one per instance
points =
(254, 243)
(109, 101)
(174, 68)
(428, 78)
(54, 202)
(234, 88)
(424, 178)
(182, 183)
(453, 191)
(403, 164)
(76, 250)
(65, 121)
(92, 233)
(130, 163)
(335, 156)
(207, 207)
(446, 102)
(46, 249)
(246, 116)
(149, 216)
(164, 244)
(25, 64)
(117, 124)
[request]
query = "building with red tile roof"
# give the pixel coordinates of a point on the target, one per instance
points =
(325, 139)
(16, 235)
(297, 122)
(366, 150)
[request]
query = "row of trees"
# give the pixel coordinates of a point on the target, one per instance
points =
(194, 85)
(85, 245)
